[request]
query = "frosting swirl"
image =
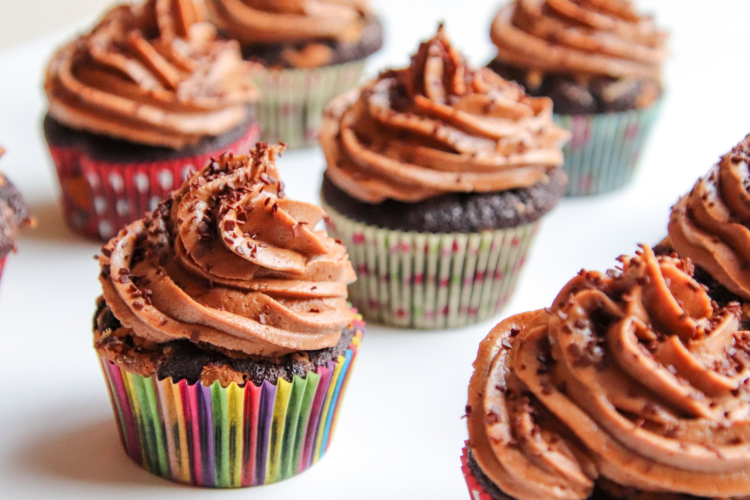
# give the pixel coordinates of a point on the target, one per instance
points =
(151, 74)
(633, 378)
(711, 224)
(228, 260)
(280, 21)
(438, 127)
(581, 37)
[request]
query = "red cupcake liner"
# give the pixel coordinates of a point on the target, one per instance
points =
(99, 197)
(476, 492)
(2, 266)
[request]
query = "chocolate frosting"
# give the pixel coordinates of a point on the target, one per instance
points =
(580, 38)
(14, 214)
(151, 74)
(438, 127)
(229, 261)
(281, 21)
(633, 377)
(711, 224)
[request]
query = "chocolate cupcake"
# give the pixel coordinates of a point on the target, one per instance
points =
(437, 177)
(310, 51)
(224, 331)
(600, 62)
(710, 224)
(632, 385)
(146, 97)
(14, 214)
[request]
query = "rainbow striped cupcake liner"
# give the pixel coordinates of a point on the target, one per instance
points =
(425, 280)
(292, 100)
(604, 150)
(229, 437)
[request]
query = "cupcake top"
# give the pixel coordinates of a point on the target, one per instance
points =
(230, 262)
(151, 74)
(14, 214)
(438, 127)
(634, 377)
(711, 224)
(298, 33)
(582, 38)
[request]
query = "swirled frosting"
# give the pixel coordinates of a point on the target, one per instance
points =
(711, 224)
(633, 378)
(580, 38)
(282, 21)
(438, 127)
(151, 74)
(229, 261)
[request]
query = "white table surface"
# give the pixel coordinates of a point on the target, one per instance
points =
(400, 433)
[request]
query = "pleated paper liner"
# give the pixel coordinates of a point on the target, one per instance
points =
(476, 492)
(228, 437)
(604, 150)
(425, 280)
(99, 198)
(2, 266)
(292, 100)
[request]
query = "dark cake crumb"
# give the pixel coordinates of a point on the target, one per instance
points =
(186, 360)
(105, 148)
(597, 95)
(454, 213)
(272, 55)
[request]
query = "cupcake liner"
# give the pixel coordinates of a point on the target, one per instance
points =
(292, 100)
(2, 266)
(604, 150)
(228, 437)
(476, 492)
(99, 197)
(424, 280)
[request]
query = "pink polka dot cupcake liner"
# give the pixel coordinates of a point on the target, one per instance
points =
(427, 281)
(605, 149)
(476, 492)
(101, 197)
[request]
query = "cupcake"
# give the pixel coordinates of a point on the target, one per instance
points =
(601, 64)
(136, 105)
(710, 224)
(14, 214)
(437, 178)
(224, 332)
(310, 51)
(632, 385)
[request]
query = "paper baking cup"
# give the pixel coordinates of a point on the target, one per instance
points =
(604, 150)
(425, 280)
(99, 198)
(229, 437)
(292, 100)
(2, 266)
(476, 492)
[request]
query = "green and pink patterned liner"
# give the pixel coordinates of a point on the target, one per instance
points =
(605, 148)
(228, 437)
(424, 280)
(292, 100)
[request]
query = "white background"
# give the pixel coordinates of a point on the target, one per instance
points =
(400, 433)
